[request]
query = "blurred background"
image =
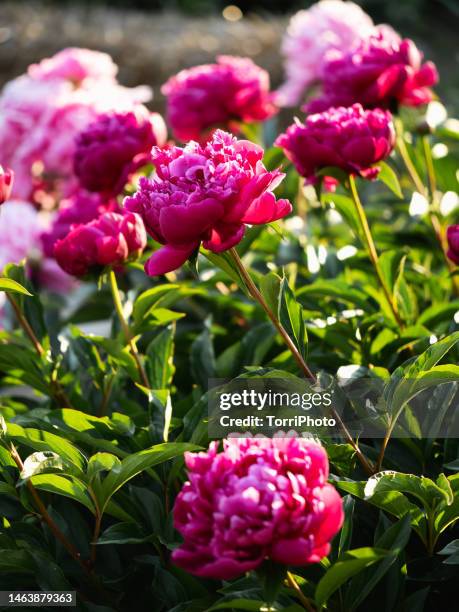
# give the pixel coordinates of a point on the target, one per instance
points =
(152, 39)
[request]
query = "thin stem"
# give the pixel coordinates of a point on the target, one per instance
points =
(301, 596)
(371, 248)
(73, 552)
(56, 390)
(126, 328)
(430, 168)
(257, 296)
(26, 327)
(410, 167)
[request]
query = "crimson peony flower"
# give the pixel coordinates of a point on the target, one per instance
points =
(452, 235)
(205, 194)
(216, 95)
(326, 26)
(259, 498)
(352, 139)
(115, 145)
(6, 184)
(80, 208)
(383, 71)
(110, 240)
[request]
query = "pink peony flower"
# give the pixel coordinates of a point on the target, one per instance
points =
(42, 112)
(114, 146)
(21, 226)
(452, 235)
(75, 65)
(79, 209)
(217, 95)
(352, 139)
(110, 240)
(259, 498)
(312, 33)
(6, 184)
(384, 71)
(205, 194)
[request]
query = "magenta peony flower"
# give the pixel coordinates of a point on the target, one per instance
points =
(6, 184)
(259, 498)
(352, 139)
(110, 240)
(114, 146)
(452, 235)
(384, 71)
(205, 194)
(312, 33)
(217, 95)
(43, 111)
(82, 207)
(75, 65)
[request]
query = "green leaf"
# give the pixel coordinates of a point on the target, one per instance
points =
(405, 297)
(291, 317)
(270, 287)
(138, 462)
(422, 488)
(202, 357)
(389, 178)
(394, 540)
(159, 362)
(122, 533)
(251, 605)
(390, 262)
(346, 208)
(11, 286)
(350, 564)
(42, 462)
(101, 462)
(68, 486)
(16, 561)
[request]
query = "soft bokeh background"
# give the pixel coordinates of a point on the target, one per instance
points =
(152, 39)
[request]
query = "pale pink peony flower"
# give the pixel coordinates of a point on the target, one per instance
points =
(259, 498)
(21, 226)
(328, 25)
(205, 193)
(75, 65)
(42, 112)
(203, 98)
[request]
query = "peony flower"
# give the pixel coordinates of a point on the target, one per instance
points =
(114, 146)
(42, 112)
(384, 71)
(330, 25)
(352, 139)
(79, 209)
(452, 235)
(110, 240)
(6, 184)
(205, 194)
(217, 95)
(75, 65)
(259, 498)
(21, 226)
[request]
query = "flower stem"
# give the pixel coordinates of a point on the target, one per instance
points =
(301, 596)
(371, 249)
(420, 187)
(257, 296)
(73, 552)
(56, 389)
(126, 329)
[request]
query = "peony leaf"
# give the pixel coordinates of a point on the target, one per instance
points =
(389, 178)
(11, 286)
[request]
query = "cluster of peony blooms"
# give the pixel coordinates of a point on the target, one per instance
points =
(259, 499)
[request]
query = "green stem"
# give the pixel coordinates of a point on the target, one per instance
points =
(56, 390)
(307, 605)
(430, 168)
(126, 329)
(371, 249)
(257, 296)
